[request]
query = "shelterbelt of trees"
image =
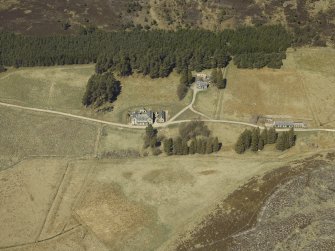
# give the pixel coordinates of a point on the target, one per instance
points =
(155, 53)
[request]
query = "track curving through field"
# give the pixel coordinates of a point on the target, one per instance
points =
(172, 121)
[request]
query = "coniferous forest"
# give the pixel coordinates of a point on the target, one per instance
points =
(155, 53)
(101, 88)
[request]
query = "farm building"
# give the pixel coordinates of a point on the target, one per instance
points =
(288, 124)
(142, 117)
(299, 124)
(160, 117)
(202, 76)
(202, 85)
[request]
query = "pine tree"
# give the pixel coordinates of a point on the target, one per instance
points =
(220, 81)
(181, 91)
(224, 83)
(291, 137)
(260, 144)
(216, 146)
(203, 146)
(184, 78)
(246, 135)
(125, 67)
(150, 131)
(190, 78)
(150, 138)
(281, 142)
(177, 146)
(154, 70)
(239, 146)
(286, 140)
(214, 76)
(199, 146)
(255, 139)
(272, 136)
(192, 148)
(168, 146)
(153, 141)
(185, 147)
(209, 146)
(264, 136)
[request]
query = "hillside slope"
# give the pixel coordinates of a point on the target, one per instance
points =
(314, 21)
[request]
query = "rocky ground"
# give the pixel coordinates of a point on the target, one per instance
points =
(297, 213)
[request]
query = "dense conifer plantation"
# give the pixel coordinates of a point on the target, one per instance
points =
(2, 68)
(154, 53)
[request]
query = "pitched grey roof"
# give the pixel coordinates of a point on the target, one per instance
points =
(161, 114)
(283, 124)
(201, 83)
(142, 116)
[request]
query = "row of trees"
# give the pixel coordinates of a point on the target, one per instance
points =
(256, 139)
(181, 146)
(186, 79)
(194, 137)
(155, 53)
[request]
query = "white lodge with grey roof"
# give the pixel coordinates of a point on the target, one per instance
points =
(145, 117)
(142, 117)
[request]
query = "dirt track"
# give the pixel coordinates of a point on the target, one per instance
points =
(170, 122)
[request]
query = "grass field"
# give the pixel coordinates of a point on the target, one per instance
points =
(25, 134)
(139, 91)
(58, 87)
(301, 90)
(127, 204)
(316, 69)
(114, 139)
(57, 191)
(27, 192)
(62, 88)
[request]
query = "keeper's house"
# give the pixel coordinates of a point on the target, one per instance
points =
(142, 117)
